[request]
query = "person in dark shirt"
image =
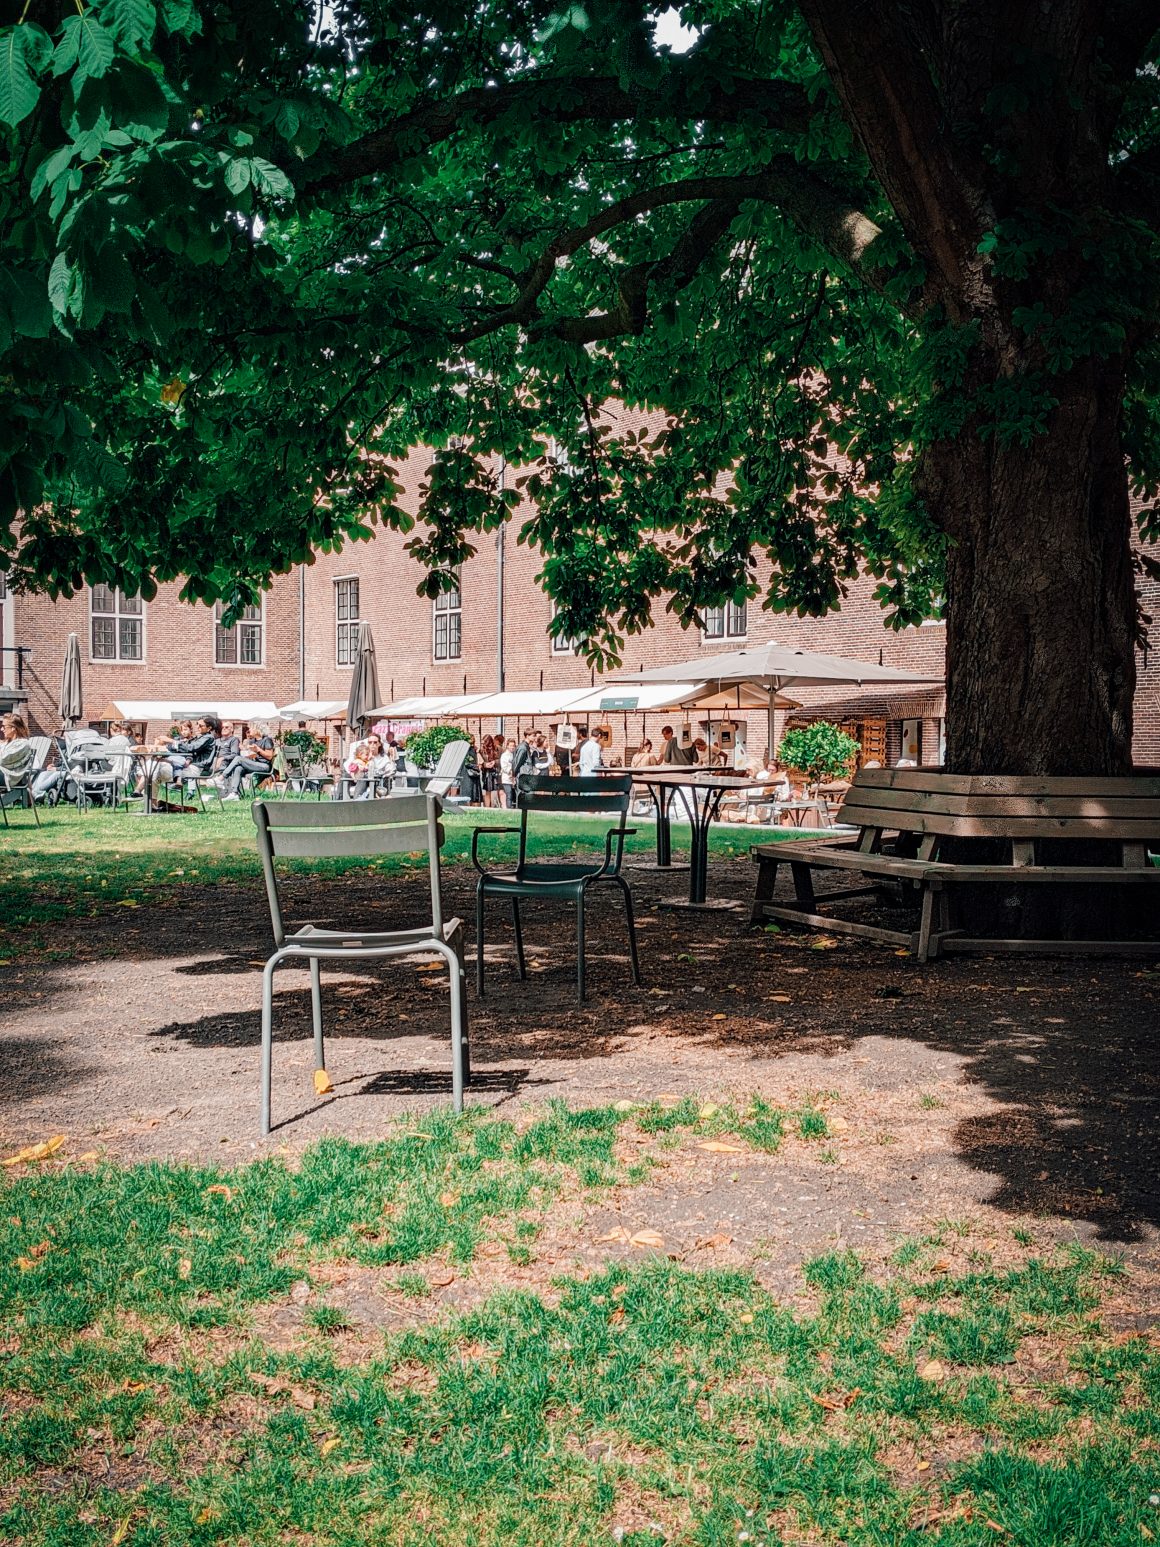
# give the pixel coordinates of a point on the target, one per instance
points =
(256, 756)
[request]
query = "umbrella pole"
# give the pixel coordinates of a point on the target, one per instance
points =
(769, 729)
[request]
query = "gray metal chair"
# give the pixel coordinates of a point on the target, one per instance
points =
(537, 792)
(447, 772)
(18, 794)
(399, 825)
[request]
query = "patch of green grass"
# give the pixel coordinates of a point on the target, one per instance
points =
(84, 863)
(928, 1101)
(811, 1123)
(141, 1406)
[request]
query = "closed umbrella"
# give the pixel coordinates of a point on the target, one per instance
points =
(364, 682)
(71, 699)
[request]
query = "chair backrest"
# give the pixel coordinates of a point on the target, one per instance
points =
(295, 762)
(401, 824)
(41, 746)
(451, 760)
(586, 795)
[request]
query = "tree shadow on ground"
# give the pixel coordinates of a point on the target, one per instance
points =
(1066, 1049)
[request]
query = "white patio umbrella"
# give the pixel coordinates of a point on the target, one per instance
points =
(71, 697)
(772, 668)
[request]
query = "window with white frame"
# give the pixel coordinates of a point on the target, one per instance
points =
(730, 622)
(448, 645)
(116, 625)
(562, 644)
(242, 645)
(346, 616)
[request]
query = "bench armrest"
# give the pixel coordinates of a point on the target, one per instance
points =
(478, 833)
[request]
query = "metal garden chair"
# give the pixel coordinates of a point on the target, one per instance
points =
(400, 825)
(603, 794)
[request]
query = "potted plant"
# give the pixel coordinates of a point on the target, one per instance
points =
(426, 747)
(819, 752)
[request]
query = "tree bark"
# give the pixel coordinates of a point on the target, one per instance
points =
(1041, 604)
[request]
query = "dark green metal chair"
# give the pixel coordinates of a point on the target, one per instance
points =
(606, 795)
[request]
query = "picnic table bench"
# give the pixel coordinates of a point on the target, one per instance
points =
(905, 818)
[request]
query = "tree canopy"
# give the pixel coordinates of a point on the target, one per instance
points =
(254, 250)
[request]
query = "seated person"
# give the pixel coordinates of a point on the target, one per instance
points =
(369, 763)
(644, 757)
(256, 757)
(15, 752)
(228, 746)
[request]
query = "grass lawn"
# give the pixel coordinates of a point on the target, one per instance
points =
(78, 863)
(180, 1363)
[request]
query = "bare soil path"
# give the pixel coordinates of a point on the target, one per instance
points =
(1008, 1093)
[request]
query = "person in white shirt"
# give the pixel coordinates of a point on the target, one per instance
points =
(591, 753)
(507, 776)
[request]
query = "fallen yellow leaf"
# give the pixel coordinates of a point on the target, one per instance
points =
(121, 1532)
(838, 1124)
(745, 1318)
(322, 1084)
(646, 1238)
(448, 1199)
(922, 1466)
(617, 1233)
(184, 1268)
(710, 1109)
(720, 1147)
(221, 1189)
(625, 1105)
(205, 1516)
(90, 1155)
(36, 1151)
(329, 1445)
(933, 1369)
(720, 1016)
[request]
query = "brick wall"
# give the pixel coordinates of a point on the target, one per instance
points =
(178, 658)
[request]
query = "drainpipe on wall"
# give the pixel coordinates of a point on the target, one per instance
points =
(302, 632)
(500, 561)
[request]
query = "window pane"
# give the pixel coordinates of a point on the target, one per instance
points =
(225, 646)
(714, 622)
(455, 636)
(130, 639)
(340, 600)
(103, 599)
(129, 603)
(251, 639)
(440, 636)
(737, 619)
(252, 614)
(104, 639)
(353, 584)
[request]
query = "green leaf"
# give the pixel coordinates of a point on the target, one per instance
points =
(238, 175)
(287, 121)
(271, 179)
(87, 44)
(27, 303)
(19, 93)
(133, 21)
(50, 169)
(60, 283)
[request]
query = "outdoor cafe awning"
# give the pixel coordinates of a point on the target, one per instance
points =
(315, 709)
(441, 707)
(248, 709)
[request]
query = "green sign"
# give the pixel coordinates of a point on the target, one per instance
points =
(618, 703)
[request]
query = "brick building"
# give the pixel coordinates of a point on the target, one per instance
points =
(493, 632)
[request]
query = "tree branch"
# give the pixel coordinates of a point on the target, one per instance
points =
(563, 100)
(818, 209)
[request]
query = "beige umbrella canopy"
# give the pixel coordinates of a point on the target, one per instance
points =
(71, 704)
(771, 668)
(364, 682)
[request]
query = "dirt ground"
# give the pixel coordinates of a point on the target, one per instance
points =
(1010, 1093)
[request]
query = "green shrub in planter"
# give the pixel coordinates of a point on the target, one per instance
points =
(820, 751)
(425, 748)
(312, 747)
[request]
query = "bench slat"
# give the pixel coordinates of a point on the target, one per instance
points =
(1144, 786)
(876, 800)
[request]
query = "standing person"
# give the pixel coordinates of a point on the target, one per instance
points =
(16, 752)
(591, 752)
(507, 777)
(489, 754)
(541, 757)
(674, 754)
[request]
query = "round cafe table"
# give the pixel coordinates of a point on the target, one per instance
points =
(148, 762)
(700, 792)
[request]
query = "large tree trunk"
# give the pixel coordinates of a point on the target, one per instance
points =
(1040, 592)
(1041, 605)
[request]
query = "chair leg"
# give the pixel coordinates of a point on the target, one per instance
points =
(479, 939)
(630, 915)
(580, 945)
(316, 1011)
(458, 1033)
(520, 962)
(267, 1040)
